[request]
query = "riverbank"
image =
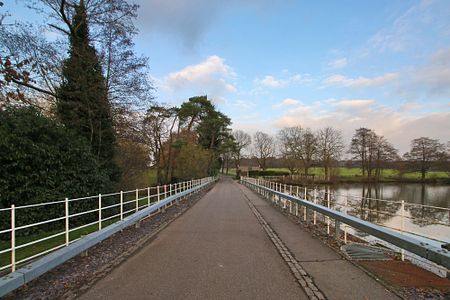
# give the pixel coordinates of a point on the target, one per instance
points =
(354, 175)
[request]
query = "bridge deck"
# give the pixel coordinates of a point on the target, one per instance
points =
(219, 250)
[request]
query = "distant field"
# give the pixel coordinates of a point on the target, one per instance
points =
(357, 172)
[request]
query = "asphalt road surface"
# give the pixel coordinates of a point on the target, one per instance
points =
(216, 250)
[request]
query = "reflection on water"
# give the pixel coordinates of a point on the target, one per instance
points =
(361, 200)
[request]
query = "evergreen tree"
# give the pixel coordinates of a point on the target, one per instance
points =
(82, 99)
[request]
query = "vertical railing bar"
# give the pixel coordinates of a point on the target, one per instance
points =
(13, 238)
(137, 201)
(66, 206)
(158, 194)
(402, 227)
(99, 211)
(121, 205)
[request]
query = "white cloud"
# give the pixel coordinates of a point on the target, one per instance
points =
(272, 82)
(354, 103)
(338, 63)
(208, 77)
(287, 102)
(360, 82)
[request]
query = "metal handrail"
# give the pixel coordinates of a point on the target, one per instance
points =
(422, 249)
(162, 192)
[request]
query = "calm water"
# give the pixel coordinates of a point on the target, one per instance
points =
(360, 200)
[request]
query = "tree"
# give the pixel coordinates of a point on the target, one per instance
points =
(424, 151)
(82, 99)
(194, 110)
(158, 125)
(385, 152)
(226, 150)
(43, 161)
(363, 148)
(112, 31)
(191, 161)
(242, 141)
(264, 147)
(307, 149)
(330, 146)
(289, 138)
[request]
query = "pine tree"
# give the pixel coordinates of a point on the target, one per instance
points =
(82, 99)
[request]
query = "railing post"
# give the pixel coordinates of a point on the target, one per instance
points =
(328, 218)
(137, 201)
(121, 205)
(170, 189)
(158, 194)
(148, 196)
(337, 227)
(99, 211)
(315, 201)
(13, 238)
(66, 206)
(345, 225)
(403, 226)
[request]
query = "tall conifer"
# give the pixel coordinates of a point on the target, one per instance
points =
(82, 99)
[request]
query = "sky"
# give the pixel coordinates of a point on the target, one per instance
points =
(268, 64)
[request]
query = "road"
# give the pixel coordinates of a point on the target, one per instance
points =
(219, 250)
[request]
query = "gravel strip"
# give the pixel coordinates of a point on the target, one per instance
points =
(78, 274)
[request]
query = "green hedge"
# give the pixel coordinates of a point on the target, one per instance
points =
(41, 161)
(268, 173)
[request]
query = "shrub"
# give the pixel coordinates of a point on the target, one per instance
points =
(41, 161)
(268, 173)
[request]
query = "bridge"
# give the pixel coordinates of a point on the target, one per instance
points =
(233, 244)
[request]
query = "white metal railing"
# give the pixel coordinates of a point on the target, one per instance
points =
(109, 208)
(304, 203)
(351, 204)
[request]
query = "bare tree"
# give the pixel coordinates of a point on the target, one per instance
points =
(363, 148)
(111, 31)
(264, 147)
(242, 141)
(308, 149)
(385, 152)
(424, 151)
(330, 145)
(288, 138)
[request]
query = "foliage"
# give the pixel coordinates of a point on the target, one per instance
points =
(112, 31)
(191, 162)
(42, 161)
(133, 161)
(82, 100)
(268, 173)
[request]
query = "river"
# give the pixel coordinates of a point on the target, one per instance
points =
(426, 206)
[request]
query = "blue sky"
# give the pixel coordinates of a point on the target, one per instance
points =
(268, 64)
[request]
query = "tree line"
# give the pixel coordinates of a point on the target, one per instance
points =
(77, 113)
(302, 148)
